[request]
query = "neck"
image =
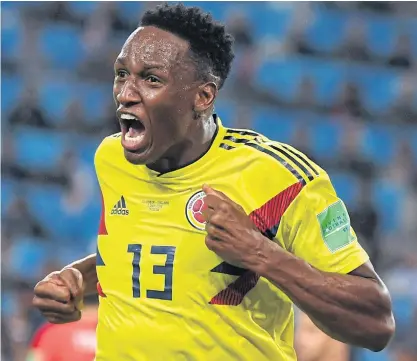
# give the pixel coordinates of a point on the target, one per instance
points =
(195, 144)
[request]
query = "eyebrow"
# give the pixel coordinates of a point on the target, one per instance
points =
(121, 61)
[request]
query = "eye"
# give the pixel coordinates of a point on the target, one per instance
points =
(152, 79)
(121, 73)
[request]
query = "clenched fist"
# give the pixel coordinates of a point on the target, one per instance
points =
(59, 296)
(231, 234)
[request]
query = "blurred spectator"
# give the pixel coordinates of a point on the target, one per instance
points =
(404, 109)
(355, 46)
(74, 117)
(301, 140)
(306, 95)
(311, 344)
(61, 11)
(68, 342)
(80, 182)
(300, 44)
(350, 102)
(377, 6)
(22, 323)
(240, 28)
(17, 211)
(27, 111)
(365, 221)
(9, 166)
(351, 158)
(402, 53)
(399, 172)
(243, 117)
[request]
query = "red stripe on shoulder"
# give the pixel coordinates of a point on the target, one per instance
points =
(102, 230)
(40, 333)
(100, 290)
(269, 215)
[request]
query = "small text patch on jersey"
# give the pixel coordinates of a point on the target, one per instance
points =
(120, 208)
(194, 210)
(335, 226)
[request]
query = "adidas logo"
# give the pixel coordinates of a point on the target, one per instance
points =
(120, 208)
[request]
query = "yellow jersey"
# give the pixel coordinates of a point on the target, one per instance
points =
(164, 295)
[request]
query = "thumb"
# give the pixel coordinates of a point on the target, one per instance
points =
(208, 190)
(73, 279)
(79, 296)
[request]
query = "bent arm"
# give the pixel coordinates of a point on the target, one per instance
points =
(87, 267)
(353, 308)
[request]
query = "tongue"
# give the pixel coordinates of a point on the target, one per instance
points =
(135, 129)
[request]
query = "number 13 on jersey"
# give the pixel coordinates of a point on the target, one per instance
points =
(165, 270)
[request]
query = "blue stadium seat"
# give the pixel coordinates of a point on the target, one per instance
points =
(381, 36)
(412, 133)
(8, 189)
(346, 186)
(388, 200)
(378, 144)
(46, 203)
(11, 33)
(377, 86)
(86, 147)
(62, 44)
(327, 31)
(11, 88)
(278, 125)
(226, 112)
(325, 139)
(281, 76)
(95, 100)
(269, 19)
(403, 309)
(38, 149)
(83, 8)
(328, 77)
(28, 256)
(55, 97)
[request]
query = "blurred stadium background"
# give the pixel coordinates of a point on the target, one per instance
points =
(337, 80)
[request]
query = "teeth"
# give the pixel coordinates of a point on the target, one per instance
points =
(128, 117)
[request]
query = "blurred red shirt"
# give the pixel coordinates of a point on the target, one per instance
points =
(67, 342)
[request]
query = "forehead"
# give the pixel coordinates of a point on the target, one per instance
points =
(150, 44)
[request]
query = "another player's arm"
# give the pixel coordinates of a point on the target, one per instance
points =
(339, 290)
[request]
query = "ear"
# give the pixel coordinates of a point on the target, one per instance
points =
(205, 96)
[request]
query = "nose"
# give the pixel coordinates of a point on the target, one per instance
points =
(128, 95)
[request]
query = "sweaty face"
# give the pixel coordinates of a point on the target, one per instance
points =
(154, 90)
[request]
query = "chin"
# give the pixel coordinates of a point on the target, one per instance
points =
(137, 158)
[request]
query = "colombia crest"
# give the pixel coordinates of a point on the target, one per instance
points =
(194, 210)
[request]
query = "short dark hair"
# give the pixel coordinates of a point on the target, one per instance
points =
(210, 44)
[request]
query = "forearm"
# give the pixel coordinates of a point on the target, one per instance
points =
(351, 309)
(87, 267)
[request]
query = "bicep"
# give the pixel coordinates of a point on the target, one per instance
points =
(317, 229)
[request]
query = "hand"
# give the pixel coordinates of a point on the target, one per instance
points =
(230, 232)
(59, 296)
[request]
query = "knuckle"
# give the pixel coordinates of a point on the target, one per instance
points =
(209, 243)
(224, 207)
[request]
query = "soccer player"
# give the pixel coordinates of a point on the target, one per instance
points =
(208, 235)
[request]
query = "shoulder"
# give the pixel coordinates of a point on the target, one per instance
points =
(272, 159)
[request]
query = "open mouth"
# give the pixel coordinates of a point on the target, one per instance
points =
(133, 132)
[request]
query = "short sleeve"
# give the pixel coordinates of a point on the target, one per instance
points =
(316, 227)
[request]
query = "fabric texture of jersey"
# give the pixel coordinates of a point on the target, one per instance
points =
(164, 295)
